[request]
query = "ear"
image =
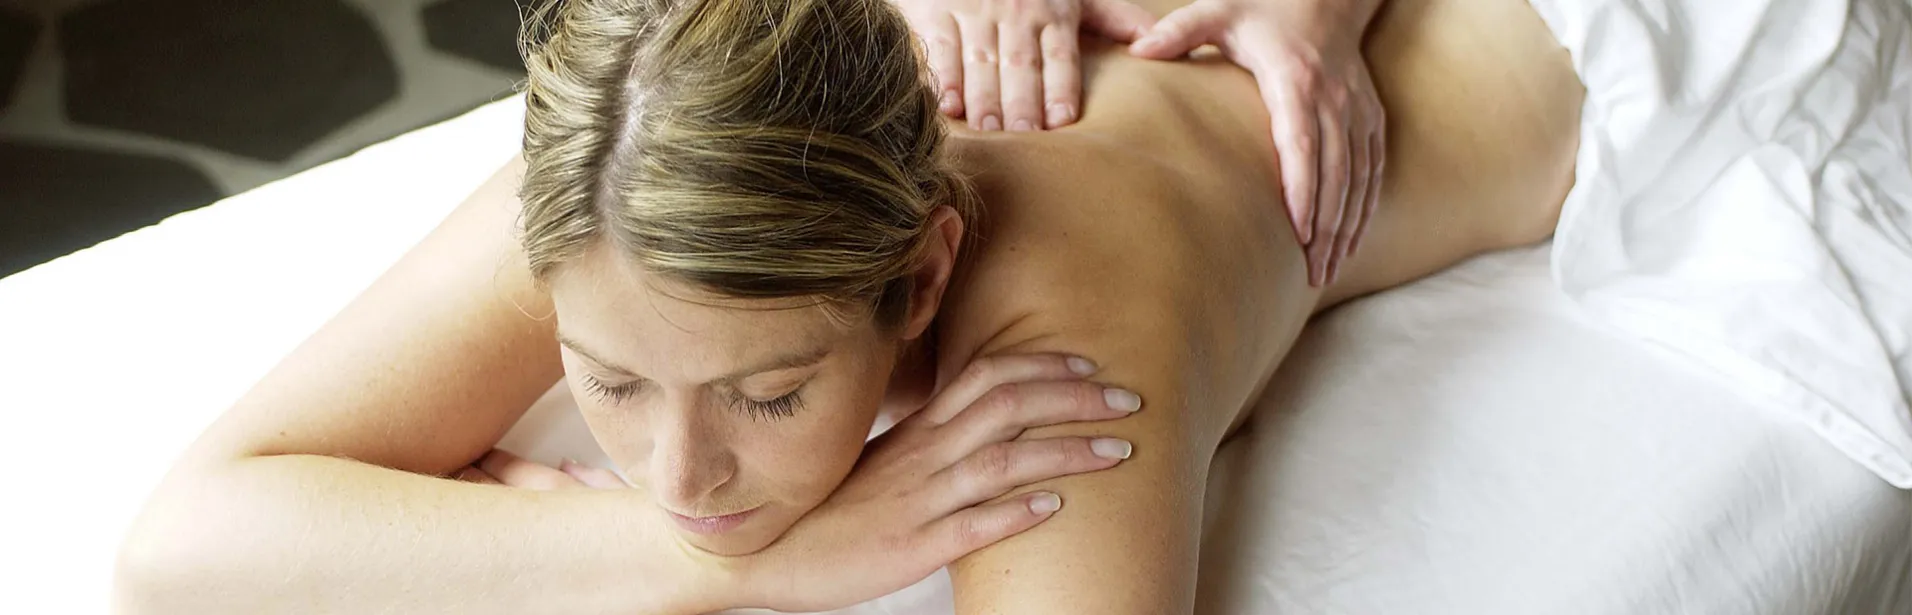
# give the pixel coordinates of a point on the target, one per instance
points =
(932, 276)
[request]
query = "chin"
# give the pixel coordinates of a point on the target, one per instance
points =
(739, 543)
(752, 534)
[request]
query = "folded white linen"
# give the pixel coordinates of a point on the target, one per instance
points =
(1743, 197)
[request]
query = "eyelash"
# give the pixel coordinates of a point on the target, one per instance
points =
(609, 394)
(779, 408)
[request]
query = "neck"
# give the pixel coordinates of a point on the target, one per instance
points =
(913, 382)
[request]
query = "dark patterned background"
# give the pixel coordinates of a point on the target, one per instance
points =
(117, 113)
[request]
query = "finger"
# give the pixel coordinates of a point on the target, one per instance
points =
(1005, 466)
(986, 373)
(1378, 151)
(1005, 411)
(1181, 31)
(945, 49)
(471, 474)
(982, 94)
(1359, 167)
(514, 471)
(1061, 75)
(1296, 151)
(1021, 76)
(1331, 196)
(595, 478)
(971, 529)
(1119, 20)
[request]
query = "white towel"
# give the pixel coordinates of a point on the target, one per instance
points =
(1744, 198)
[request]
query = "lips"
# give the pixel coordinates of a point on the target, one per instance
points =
(711, 525)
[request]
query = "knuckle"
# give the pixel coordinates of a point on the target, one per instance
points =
(978, 55)
(1361, 173)
(981, 373)
(1003, 403)
(1022, 58)
(996, 460)
(1059, 52)
(1304, 142)
(1087, 396)
(1335, 166)
(1337, 95)
(972, 531)
(1305, 83)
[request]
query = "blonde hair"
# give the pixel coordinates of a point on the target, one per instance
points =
(752, 148)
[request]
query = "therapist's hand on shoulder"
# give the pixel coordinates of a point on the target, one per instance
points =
(1012, 64)
(1330, 131)
(937, 486)
(930, 490)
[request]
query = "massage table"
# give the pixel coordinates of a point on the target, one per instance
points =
(1465, 444)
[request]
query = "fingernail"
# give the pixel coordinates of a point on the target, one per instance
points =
(1124, 401)
(991, 122)
(1111, 448)
(566, 461)
(1022, 126)
(1081, 366)
(950, 102)
(1059, 114)
(1143, 43)
(1045, 503)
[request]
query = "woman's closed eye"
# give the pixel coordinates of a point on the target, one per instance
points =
(781, 407)
(610, 394)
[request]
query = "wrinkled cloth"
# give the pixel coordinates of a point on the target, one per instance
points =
(1743, 198)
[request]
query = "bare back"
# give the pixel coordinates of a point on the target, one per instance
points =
(1149, 237)
(1152, 237)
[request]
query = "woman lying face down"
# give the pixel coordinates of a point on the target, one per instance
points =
(745, 222)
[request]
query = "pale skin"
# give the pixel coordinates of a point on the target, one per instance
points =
(1148, 237)
(1014, 65)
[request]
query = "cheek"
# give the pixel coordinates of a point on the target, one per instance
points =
(807, 456)
(622, 435)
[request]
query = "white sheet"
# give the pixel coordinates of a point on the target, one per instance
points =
(1470, 444)
(1743, 196)
(1463, 445)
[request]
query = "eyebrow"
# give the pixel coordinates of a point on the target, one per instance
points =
(802, 358)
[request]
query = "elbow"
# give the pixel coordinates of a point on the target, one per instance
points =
(172, 558)
(141, 574)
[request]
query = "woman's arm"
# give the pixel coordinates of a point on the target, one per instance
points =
(313, 492)
(320, 490)
(317, 534)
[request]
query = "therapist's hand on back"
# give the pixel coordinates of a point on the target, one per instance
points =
(1330, 131)
(922, 494)
(1012, 64)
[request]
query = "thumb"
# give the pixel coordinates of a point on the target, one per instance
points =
(1182, 31)
(1120, 20)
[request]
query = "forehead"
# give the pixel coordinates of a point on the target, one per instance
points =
(665, 329)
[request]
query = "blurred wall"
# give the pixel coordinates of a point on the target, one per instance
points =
(117, 113)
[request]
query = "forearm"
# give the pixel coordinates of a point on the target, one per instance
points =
(302, 533)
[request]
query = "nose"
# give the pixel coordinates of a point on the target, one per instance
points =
(689, 457)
